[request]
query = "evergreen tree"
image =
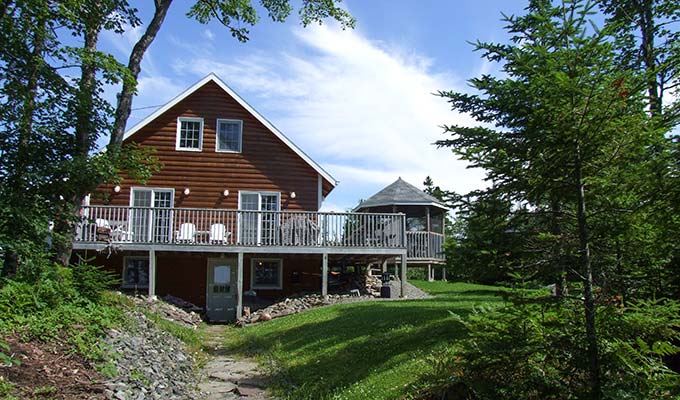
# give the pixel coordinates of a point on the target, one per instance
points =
(565, 116)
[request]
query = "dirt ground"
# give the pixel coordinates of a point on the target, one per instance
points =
(50, 371)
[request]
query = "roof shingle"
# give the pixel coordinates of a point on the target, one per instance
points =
(400, 192)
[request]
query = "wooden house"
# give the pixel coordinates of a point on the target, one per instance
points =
(233, 211)
(425, 216)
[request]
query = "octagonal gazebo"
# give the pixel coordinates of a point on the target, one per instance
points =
(424, 222)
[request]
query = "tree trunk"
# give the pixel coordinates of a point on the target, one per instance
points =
(64, 226)
(645, 10)
(558, 249)
(16, 180)
(586, 269)
(134, 65)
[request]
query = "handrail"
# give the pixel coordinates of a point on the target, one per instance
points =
(425, 245)
(200, 226)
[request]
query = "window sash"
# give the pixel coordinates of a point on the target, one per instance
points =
(229, 135)
(135, 273)
(267, 274)
(189, 134)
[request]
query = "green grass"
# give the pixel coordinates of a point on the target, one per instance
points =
(362, 350)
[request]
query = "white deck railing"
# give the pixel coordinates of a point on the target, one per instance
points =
(425, 245)
(188, 226)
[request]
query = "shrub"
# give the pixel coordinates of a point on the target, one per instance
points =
(66, 304)
(536, 349)
(91, 281)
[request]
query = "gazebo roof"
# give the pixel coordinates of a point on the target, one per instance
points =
(400, 193)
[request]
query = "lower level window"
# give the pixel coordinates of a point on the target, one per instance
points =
(136, 273)
(266, 273)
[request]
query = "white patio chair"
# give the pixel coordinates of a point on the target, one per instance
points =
(186, 233)
(218, 233)
(120, 233)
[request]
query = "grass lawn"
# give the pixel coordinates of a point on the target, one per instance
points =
(361, 350)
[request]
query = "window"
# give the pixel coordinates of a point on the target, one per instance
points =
(229, 133)
(189, 134)
(147, 224)
(259, 228)
(266, 273)
(135, 273)
(415, 224)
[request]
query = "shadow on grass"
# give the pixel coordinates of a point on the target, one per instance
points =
(322, 351)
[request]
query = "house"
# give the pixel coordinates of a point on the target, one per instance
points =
(425, 216)
(232, 215)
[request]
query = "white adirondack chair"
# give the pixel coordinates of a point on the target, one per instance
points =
(218, 233)
(186, 233)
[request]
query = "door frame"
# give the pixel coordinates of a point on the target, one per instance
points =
(153, 190)
(259, 194)
(233, 282)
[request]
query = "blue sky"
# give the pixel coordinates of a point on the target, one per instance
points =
(359, 102)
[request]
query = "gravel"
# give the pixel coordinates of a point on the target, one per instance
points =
(150, 363)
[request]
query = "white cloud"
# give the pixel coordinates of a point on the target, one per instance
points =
(364, 110)
(208, 34)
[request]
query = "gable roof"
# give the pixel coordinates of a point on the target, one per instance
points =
(400, 193)
(211, 77)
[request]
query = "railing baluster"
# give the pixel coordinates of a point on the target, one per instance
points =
(244, 227)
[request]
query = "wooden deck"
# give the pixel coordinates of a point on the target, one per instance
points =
(218, 230)
(425, 247)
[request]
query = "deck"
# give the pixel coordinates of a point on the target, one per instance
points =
(218, 230)
(425, 247)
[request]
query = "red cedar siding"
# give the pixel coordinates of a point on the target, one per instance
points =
(184, 274)
(265, 164)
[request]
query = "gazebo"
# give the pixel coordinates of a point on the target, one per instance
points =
(424, 222)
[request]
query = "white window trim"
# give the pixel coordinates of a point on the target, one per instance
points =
(259, 200)
(259, 208)
(179, 132)
(153, 190)
(217, 136)
(125, 265)
(266, 287)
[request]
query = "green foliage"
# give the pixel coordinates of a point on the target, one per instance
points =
(234, 14)
(7, 360)
(535, 349)
(63, 304)
(92, 281)
(6, 389)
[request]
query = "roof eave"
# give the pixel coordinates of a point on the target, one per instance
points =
(434, 204)
(214, 78)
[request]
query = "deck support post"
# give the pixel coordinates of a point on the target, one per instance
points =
(239, 286)
(152, 274)
(384, 266)
(324, 275)
(403, 274)
(430, 275)
(444, 273)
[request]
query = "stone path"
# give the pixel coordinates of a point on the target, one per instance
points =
(225, 378)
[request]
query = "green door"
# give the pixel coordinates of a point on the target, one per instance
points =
(221, 289)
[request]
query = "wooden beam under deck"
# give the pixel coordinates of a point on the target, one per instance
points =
(188, 248)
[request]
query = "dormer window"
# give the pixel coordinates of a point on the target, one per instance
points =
(189, 134)
(229, 135)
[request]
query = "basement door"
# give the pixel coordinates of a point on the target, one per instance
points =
(221, 289)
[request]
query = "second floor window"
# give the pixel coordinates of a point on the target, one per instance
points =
(189, 134)
(229, 133)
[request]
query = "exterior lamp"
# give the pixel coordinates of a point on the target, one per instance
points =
(293, 195)
(186, 191)
(116, 189)
(225, 193)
